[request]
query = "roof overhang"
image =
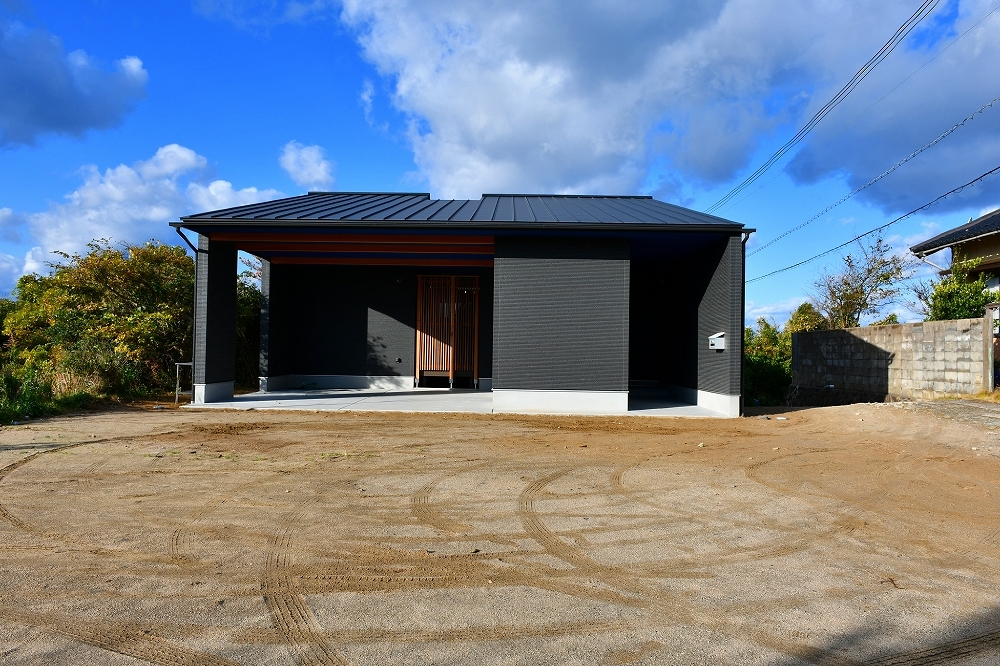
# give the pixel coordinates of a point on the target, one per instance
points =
(397, 228)
(981, 227)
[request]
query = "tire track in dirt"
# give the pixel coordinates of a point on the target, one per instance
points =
(429, 513)
(85, 479)
(476, 633)
(180, 538)
(290, 614)
(4, 472)
(681, 567)
(367, 569)
(850, 512)
(558, 548)
(62, 538)
(130, 641)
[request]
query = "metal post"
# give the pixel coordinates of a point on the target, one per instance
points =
(177, 387)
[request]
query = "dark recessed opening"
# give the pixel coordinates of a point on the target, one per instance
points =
(442, 382)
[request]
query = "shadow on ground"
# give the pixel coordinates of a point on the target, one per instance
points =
(975, 640)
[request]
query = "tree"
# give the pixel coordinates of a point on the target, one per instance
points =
(868, 282)
(955, 296)
(806, 318)
(113, 321)
(767, 355)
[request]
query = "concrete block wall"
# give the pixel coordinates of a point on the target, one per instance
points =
(924, 360)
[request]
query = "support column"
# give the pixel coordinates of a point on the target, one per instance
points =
(265, 322)
(214, 321)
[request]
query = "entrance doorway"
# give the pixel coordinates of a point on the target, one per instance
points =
(447, 330)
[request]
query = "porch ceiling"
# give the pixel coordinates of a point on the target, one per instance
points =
(365, 249)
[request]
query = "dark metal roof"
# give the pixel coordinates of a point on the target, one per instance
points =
(985, 225)
(352, 209)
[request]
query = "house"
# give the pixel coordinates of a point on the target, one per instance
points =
(555, 303)
(977, 239)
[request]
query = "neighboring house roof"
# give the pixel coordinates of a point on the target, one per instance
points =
(353, 209)
(983, 226)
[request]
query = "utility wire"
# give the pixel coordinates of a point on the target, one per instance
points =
(868, 108)
(901, 33)
(877, 229)
(877, 178)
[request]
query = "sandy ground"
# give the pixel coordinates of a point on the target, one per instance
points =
(845, 535)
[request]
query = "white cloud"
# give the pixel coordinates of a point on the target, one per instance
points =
(45, 90)
(306, 165)
(260, 14)
(11, 225)
(778, 312)
(941, 94)
(131, 204)
(603, 96)
(170, 161)
(221, 194)
(10, 270)
(367, 100)
(556, 96)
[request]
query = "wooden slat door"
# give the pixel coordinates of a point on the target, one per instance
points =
(447, 327)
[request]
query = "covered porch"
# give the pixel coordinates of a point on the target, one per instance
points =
(425, 400)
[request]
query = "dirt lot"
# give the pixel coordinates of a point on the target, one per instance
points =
(844, 535)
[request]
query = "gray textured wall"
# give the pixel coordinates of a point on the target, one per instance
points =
(720, 310)
(215, 312)
(924, 360)
(561, 313)
(353, 320)
(684, 287)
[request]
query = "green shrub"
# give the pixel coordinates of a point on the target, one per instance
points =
(957, 296)
(767, 364)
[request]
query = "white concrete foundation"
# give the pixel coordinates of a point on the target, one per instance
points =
(324, 382)
(724, 405)
(300, 382)
(216, 392)
(560, 402)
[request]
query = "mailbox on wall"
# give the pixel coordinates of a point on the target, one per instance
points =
(717, 341)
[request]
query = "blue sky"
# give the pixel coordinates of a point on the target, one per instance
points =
(117, 117)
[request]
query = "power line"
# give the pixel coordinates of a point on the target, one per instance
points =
(877, 229)
(879, 177)
(869, 107)
(901, 33)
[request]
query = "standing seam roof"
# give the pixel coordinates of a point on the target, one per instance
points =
(499, 208)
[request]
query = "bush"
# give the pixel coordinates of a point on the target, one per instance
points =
(767, 366)
(111, 322)
(956, 296)
(767, 355)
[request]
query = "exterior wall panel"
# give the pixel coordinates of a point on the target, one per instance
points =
(721, 311)
(215, 313)
(561, 314)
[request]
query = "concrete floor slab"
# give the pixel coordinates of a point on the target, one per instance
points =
(418, 400)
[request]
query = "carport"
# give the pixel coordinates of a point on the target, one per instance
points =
(552, 303)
